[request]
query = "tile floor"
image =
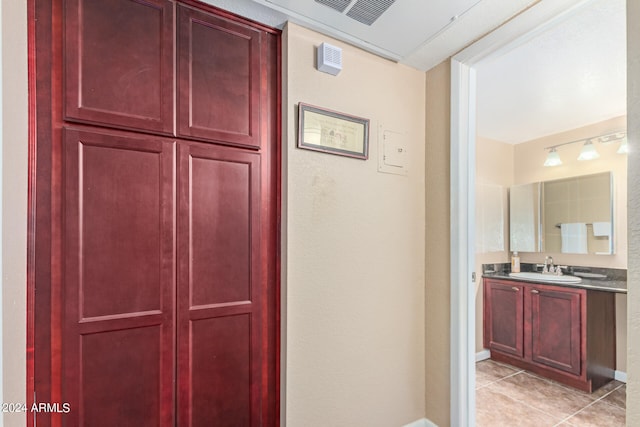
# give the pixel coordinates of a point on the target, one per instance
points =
(509, 396)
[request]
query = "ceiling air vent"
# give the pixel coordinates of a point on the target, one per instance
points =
(367, 11)
(339, 5)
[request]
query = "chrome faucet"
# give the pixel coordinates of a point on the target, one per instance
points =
(550, 268)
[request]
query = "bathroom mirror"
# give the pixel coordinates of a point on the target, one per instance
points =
(570, 215)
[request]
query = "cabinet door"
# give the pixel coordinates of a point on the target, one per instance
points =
(555, 328)
(219, 79)
(220, 290)
(118, 57)
(118, 286)
(504, 319)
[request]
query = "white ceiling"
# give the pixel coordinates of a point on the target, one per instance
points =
(419, 33)
(565, 75)
(569, 75)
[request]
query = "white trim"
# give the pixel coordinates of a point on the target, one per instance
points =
(541, 15)
(620, 376)
(423, 422)
(483, 355)
(462, 248)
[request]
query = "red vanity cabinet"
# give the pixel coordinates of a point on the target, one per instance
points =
(563, 333)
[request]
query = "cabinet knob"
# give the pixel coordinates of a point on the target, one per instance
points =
(515, 288)
(535, 291)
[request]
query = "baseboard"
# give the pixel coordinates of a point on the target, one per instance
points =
(620, 376)
(422, 423)
(483, 355)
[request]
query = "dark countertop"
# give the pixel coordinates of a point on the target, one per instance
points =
(619, 286)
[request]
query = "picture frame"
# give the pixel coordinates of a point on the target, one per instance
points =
(332, 132)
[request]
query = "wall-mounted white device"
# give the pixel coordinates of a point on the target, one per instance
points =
(393, 157)
(329, 59)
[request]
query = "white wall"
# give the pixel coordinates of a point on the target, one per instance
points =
(14, 135)
(354, 239)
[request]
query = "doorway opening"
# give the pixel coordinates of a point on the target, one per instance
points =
(519, 30)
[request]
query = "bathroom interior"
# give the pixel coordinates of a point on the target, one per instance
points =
(535, 196)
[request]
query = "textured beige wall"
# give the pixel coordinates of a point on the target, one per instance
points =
(14, 204)
(438, 259)
(633, 117)
(355, 248)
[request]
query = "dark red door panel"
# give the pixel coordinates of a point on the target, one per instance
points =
(219, 287)
(504, 317)
(153, 288)
(219, 76)
(555, 328)
(119, 63)
(118, 347)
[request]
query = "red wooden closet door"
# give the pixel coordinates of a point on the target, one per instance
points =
(219, 288)
(219, 72)
(118, 349)
(119, 63)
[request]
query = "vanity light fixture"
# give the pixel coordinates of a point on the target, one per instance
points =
(588, 151)
(624, 147)
(553, 158)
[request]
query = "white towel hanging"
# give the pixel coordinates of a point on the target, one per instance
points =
(602, 229)
(574, 237)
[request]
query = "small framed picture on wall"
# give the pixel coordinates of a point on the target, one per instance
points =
(331, 132)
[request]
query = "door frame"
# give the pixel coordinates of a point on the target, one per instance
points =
(528, 24)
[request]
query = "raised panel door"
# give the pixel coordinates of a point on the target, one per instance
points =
(111, 337)
(118, 285)
(556, 328)
(504, 318)
(220, 291)
(219, 79)
(118, 58)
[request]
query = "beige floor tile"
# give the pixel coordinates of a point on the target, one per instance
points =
(489, 371)
(618, 397)
(607, 388)
(544, 395)
(497, 410)
(600, 414)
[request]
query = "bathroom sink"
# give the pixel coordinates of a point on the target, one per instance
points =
(540, 277)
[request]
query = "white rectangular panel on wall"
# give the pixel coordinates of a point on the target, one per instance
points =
(489, 218)
(393, 156)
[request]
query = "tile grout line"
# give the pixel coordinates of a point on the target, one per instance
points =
(523, 402)
(500, 379)
(563, 420)
(591, 404)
